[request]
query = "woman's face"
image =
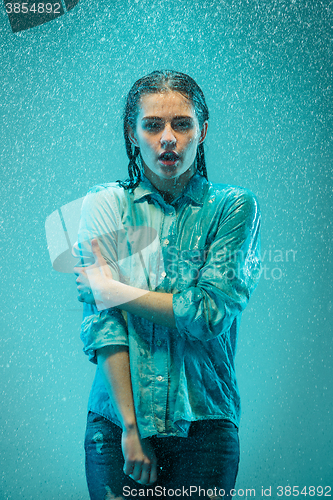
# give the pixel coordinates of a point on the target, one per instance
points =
(168, 134)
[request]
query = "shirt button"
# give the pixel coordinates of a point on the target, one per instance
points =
(166, 241)
(158, 342)
(170, 213)
(163, 274)
(159, 378)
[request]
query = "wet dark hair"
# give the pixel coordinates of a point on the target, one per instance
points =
(155, 82)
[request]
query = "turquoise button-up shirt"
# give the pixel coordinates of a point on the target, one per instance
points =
(203, 247)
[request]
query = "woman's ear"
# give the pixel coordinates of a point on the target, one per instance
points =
(203, 132)
(131, 136)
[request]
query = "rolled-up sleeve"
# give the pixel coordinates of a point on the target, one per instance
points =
(105, 328)
(229, 274)
(100, 219)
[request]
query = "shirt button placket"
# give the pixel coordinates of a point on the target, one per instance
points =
(160, 355)
(161, 379)
(167, 239)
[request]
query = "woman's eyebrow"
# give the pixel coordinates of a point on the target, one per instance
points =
(162, 119)
(152, 118)
(183, 118)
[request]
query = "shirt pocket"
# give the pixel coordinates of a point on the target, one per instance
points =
(190, 263)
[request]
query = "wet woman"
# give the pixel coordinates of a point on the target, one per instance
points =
(168, 263)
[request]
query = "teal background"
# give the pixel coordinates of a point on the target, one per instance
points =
(266, 71)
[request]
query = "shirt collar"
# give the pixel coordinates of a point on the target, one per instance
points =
(195, 189)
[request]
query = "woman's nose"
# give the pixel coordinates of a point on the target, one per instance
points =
(167, 136)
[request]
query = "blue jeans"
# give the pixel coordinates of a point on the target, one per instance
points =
(205, 464)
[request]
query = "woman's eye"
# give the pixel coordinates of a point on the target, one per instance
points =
(152, 126)
(183, 125)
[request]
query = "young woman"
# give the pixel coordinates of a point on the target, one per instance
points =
(168, 263)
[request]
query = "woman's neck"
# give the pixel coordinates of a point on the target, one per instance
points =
(170, 189)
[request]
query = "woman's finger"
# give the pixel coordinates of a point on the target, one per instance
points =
(153, 472)
(145, 473)
(97, 253)
(128, 467)
(136, 474)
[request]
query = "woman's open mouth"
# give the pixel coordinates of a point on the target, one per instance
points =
(168, 158)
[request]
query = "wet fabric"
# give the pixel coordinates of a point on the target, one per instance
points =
(203, 247)
(204, 464)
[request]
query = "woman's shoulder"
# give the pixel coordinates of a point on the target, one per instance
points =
(229, 192)
(229, 200)
(107, 187)
(108, 196)
(111, 191)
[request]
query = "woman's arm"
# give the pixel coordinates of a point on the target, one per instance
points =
(108, 293)
(140, 460)
(153, 306)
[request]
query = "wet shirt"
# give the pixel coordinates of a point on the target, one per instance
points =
(203, 247)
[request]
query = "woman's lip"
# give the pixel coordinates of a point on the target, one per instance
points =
(168, 163)
(168, 154)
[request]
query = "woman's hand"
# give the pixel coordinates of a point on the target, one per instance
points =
(94, 282)
(140, 459)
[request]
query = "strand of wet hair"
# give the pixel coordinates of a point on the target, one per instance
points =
(134, 171)
(201, 162)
